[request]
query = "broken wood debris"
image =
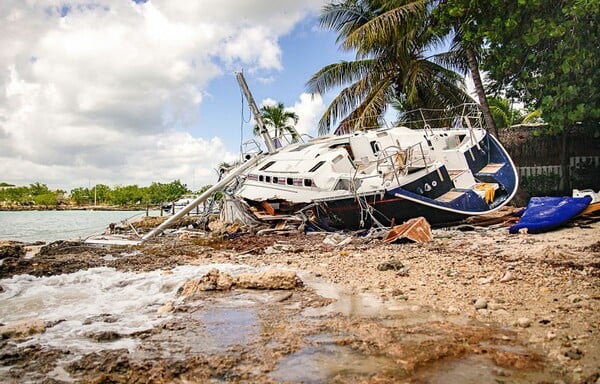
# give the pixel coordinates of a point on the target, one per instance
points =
(416, 229)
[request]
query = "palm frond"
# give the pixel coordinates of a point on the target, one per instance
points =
(338, 74)
(344, 17)
(396, 24)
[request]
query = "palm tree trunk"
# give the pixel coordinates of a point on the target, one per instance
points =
(474, 68)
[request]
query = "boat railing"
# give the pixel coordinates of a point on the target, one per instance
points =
(455, 117)
(250, 148)
(397, 162)
(287, 138)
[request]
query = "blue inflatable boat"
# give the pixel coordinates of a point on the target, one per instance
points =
(546, 213)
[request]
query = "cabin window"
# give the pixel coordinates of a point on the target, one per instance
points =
(375, 146)
(268, 179)
(261, 178)
(308, 183)
(342, 185)
(317, 166)
(275, 179)
(267, 165)
(289, 181)
(337, 159)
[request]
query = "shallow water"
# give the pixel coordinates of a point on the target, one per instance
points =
(30, 226)
(99, 301)
(94, 301)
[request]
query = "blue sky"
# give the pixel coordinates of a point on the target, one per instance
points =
(305, 50)
(118, 92)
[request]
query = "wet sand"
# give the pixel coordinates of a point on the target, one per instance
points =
(478, 306)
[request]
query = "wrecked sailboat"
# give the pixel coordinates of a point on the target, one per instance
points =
(445, 168)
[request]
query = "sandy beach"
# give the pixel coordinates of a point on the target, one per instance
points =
(475, 305)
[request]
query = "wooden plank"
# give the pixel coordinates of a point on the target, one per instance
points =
(491, 168)
(450, 196)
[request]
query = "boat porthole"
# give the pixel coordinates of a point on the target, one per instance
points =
(427, 187)
(434, 183)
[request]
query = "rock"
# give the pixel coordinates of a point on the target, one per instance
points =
(168, 307)
(524, 322)
(574, 354)
(103, 336)
(393, 265)
(508, 276)
(214, 280)
(102, 318)
(271, 279)
(550, 335)
(12, 250)
(480, 303)
(22, 328)
(485, 280)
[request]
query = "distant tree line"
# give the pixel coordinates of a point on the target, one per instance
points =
(101, 194)
(34, 194)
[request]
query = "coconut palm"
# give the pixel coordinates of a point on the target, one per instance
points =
(282, 122)
(392, 40)
(464, 54)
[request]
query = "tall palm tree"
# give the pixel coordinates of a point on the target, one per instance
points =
(464, 54)
(281, 121)
(392, 40)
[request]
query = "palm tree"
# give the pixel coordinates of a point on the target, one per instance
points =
(464, 54)
(392, 40)
(281, 121)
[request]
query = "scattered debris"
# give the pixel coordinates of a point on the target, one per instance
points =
(337, 240)
(417, 230)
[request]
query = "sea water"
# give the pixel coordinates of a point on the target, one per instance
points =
(132, 299)
(47, 226)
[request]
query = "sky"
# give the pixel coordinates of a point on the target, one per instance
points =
(121, 92)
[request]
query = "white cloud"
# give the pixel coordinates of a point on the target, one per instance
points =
(107, 90)
(309, 109)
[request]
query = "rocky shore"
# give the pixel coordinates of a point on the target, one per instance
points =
(72, 207)
(474, 305)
